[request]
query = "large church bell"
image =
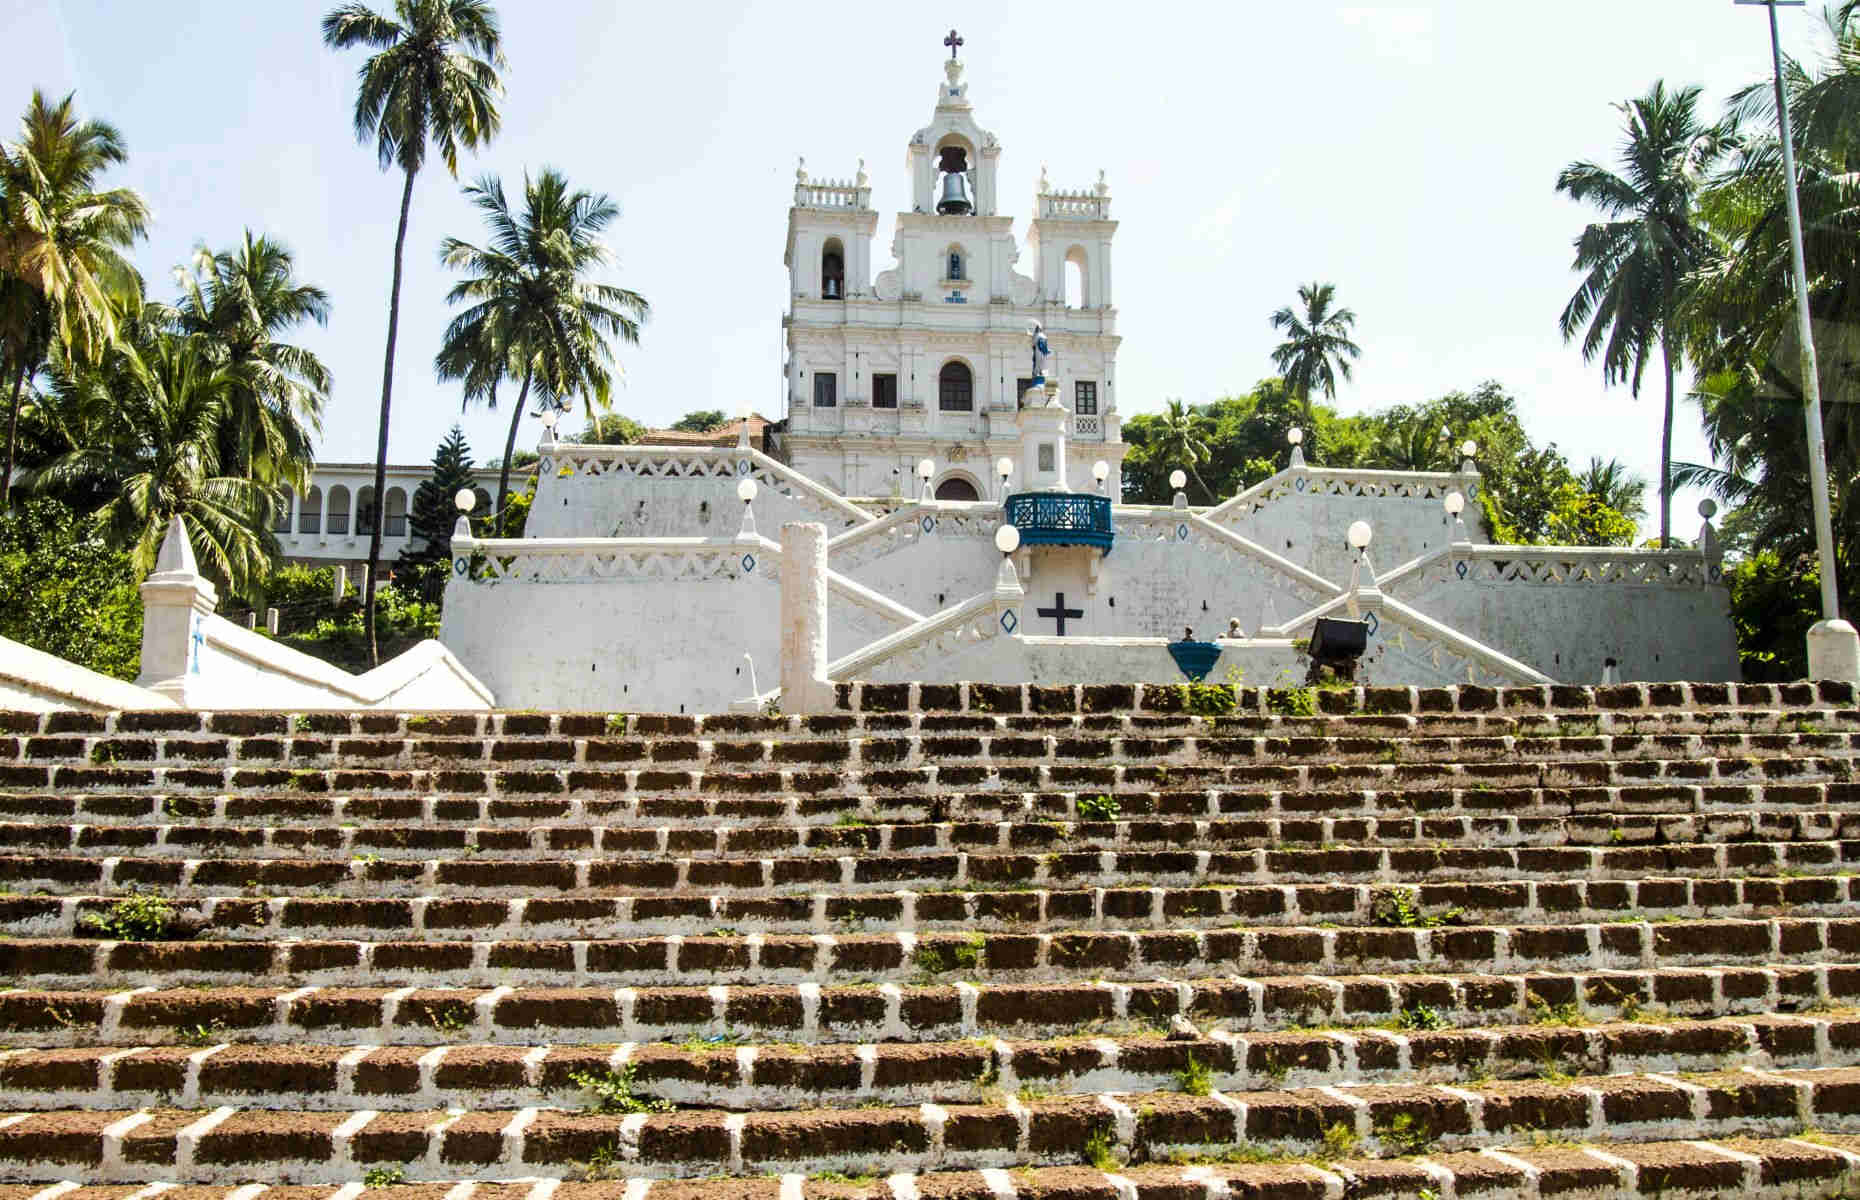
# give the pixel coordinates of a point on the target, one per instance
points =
(955, 199)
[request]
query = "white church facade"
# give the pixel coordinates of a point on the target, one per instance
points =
(927, 358)
(654, 577)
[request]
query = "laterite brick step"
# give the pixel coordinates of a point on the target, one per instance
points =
(368, 909)
(1763, 1168)
(928, 1010)
(747, 1077)
(1803, 1168)
(268, 1145)
(901, 957)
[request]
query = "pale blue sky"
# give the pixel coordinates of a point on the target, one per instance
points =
(1404, 151)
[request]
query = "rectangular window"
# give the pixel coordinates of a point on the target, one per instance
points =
(884, 391)
(1020, 388)
(955, 266)
(826, 389)
(1085, 398)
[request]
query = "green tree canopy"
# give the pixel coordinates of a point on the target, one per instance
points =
(702, 421)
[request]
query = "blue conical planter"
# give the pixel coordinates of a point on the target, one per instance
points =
(1195, 658)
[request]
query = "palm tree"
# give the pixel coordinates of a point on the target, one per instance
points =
(534, 314)
(1317, 346)
(144, 426)
(1182, 441)
(242, 300)
(1614, 485)
(1635, 263)
(432, 78)
(64, 281)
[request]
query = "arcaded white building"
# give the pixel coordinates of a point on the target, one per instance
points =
(927, 357)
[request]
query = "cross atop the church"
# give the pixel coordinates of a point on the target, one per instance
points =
(1059, 612)
(952, 41)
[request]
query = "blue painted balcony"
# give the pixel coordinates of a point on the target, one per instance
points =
(1061, 519)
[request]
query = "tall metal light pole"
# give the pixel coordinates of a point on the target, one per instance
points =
(1845, 661)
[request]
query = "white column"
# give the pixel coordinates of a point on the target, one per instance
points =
(175, 600)
(1043, 429)
(805, 687)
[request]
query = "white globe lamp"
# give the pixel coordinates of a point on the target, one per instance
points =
(1007, 539)
(1178, 479)
(465, 500)
(1295, 436)
(1455, 504)
(1358, 535)
(746, 490)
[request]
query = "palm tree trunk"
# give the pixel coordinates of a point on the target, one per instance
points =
(1666, 452)
(12, 433)
(510, 448)
(381, 438)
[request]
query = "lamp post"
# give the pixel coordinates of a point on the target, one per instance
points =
(1101, 470)
(1004, 467)
(1811, 379)
(1455, 504)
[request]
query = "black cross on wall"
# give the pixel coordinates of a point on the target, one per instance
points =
(1059, 612)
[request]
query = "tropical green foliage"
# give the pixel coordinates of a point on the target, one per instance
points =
(241, 302)
(1636, 261)
(1530, 494)
(1317, 346)
(66, 591)
(533, 313)
(702, 421)
(427, 561)
(145, 430)
(64, 281)
(430, 80)
(611, 429)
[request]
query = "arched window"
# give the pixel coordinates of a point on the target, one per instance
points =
(955, 264)
(833, 271)
(365, 511)
(396, 513)
(955, 388)
(310, 512)
(281, 518)
(956, 488)
(339, 510)
(1078, 295)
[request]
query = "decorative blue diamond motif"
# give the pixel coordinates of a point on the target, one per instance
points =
(1009, 621)
(1370, 620)
(1299, 484)
(749, 562)
(1472, 491)
(460, 566)
(1461, 568)
(928, 522)
(1181, 532)
(742, 466)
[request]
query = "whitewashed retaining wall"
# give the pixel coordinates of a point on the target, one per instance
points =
(34, 681)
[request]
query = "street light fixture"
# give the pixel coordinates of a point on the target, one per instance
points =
(925, 469)
(1811, 378)
(1004, 467)
(1101, 470)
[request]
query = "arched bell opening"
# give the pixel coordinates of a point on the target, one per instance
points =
(833, 270)
(953, 193)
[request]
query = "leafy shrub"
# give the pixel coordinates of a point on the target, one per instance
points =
(138, 918)
(65, 591)
(1292, 702)
(1196, 1078)
(1098, 808)
(1401, 908)
(612, 1092)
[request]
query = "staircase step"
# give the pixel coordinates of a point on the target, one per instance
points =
(728, 1073)
(270, 1145)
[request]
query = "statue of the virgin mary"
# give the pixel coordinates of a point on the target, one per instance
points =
(1042, 354)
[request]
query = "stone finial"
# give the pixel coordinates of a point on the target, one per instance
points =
(861, 180)
(1044, 185)
(461, 529)
(177, 551)
(1103, 188)
(1007, 579)
(800, 168)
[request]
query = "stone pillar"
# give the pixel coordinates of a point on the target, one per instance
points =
(271, 621)
(176, 600)
(805, 687)
(1833, 651)
(1009, 597)
(342, 584)
(1043, 442)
